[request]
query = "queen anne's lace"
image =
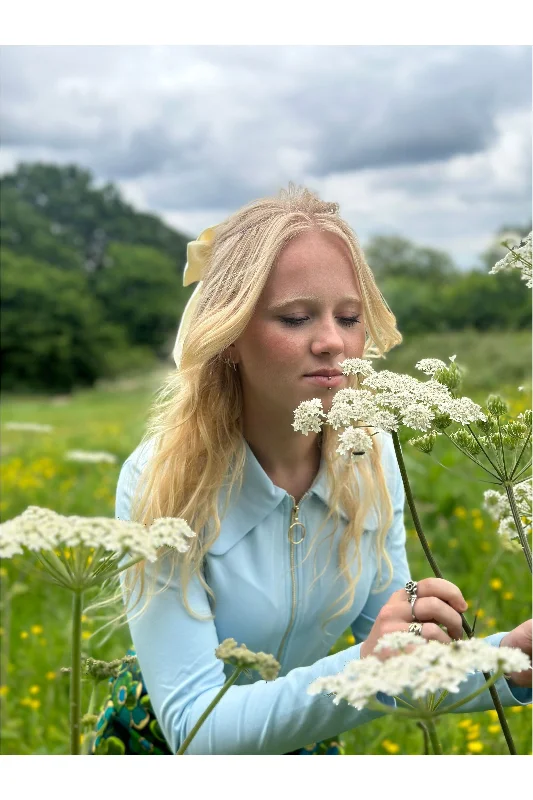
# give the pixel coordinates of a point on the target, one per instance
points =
(430, 667)
(497, 505)
(518, 257)
(355, 443)
(39, 529)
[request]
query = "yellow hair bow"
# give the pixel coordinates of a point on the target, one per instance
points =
(196, 255)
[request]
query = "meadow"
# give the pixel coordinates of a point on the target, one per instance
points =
(34, 631)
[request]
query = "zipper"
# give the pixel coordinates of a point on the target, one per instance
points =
(296, 535)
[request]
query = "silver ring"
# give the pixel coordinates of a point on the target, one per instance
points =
(410, 587)
(412, 599)
(416, 628)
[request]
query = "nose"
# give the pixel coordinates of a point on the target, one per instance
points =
(328, 339)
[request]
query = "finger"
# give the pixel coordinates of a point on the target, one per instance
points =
(445, 590)
(430, 631)
(431, 609)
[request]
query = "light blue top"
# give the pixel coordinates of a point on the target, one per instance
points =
(263, 601)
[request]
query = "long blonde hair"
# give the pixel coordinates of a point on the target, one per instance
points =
(195, 419)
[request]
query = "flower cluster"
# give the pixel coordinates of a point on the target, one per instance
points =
(239, 655)
(428, 667)
(40, 529)
(91, 456)
(497, 505)
(386, 400)
(518, 257)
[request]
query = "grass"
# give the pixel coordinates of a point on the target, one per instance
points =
(35, 617)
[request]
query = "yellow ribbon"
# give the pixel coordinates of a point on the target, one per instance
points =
(197, 252)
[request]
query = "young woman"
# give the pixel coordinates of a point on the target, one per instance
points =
(294, 544)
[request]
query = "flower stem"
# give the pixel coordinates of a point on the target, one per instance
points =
(75, 674)
(231, 680)
(518, 522)
(434, 739)
(436, 571)
(425, 733)
(89, 733)
(515, 465)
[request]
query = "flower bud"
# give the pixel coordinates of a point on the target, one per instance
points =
(424, 443)
(441, 421)
(526, 418)
(465, 441)
(497, 406)
(449, 376)
(487, 426)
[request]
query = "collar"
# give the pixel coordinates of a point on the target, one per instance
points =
(258, 497)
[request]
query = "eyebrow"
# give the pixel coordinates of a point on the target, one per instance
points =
(310, 299)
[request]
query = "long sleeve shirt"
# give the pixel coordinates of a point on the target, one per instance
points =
(262, 583)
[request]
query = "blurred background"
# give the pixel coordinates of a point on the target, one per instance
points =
(113, 158)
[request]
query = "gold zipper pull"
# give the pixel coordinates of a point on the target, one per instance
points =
(294, 522)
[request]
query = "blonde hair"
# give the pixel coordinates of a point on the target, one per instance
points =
(195, 419)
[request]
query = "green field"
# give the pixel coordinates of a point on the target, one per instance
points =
(35, 616)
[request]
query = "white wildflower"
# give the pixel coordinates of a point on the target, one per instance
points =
(429, 365)
(356, 366)
(429, 667)
(518, 257)
(91, 456)
(308, 416)
(40, 529)
(33, 427)
(498, 507)
(418, 416)
(462, 410)
(354, 443)
(383, 420)
(398, 640)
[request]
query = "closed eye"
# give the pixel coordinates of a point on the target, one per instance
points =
(348, 322)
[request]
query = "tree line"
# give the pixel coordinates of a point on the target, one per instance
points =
(92, 288)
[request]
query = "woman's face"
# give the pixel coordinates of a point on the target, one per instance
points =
(309, 316)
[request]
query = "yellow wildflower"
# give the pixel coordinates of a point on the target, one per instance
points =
(390, 747)
(491, 622)
(35, 689)
(480, 613)
(508, 595)
(452, 543)
(476, 512)
(495, 584)
(26, 701)
(34, 704)
(24, 634)
(4, 690)
(350, 639)
(36, 629)
(86, 634)
(3, 572)
(493, 714)
(517, 709)
(460, 512)
(478, 524)
(50, 676)
(475, 747)
(485, 546)
(465, 723)
(473, 732)
(494, 728)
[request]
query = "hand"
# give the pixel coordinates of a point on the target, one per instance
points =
(520, 637)
(438, 602)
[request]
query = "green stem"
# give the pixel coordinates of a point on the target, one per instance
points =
(490, 681)
(423, 727)
(502, 448)
(496, 468)
(75, 674)
(512, 475)
(436, 571)
(231, 680)
(435, 743)
(89, 733)
(518, 522)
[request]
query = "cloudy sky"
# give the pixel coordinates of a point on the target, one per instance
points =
(428, 142)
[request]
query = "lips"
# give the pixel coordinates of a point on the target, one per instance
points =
(328, 373)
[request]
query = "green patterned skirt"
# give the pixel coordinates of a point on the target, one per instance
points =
(127, 725)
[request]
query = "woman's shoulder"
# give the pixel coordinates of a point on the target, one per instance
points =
(138, 459)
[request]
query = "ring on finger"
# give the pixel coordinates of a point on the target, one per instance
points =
(410, 587)
(412, 601)
(416, 628)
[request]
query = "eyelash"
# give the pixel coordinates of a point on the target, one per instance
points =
(293, 322)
